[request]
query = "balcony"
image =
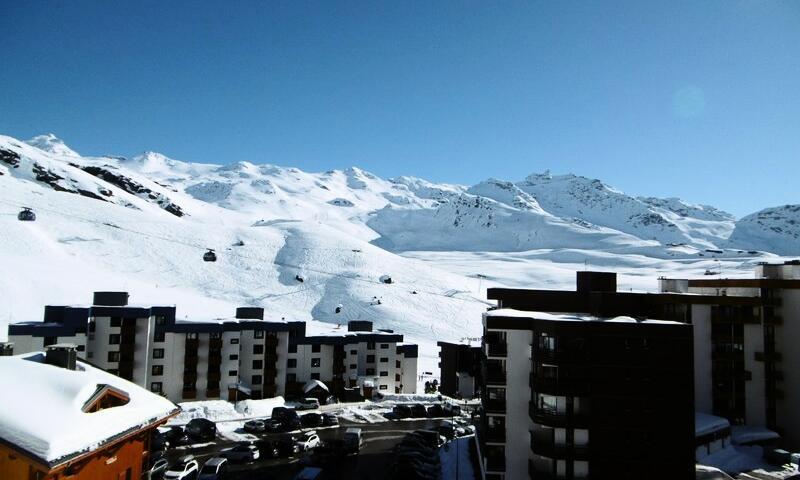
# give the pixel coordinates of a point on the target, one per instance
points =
(189, 376)
(494, 435)
(727, 355)
(212, 393)
(215, 343)
(495, 464)
(213, 376)
(270, 391)
(128, 330)
(773, 320)
(494, 406)
(495, 377)
(191, 344)
(542, 445)
(559, 386)
(497, 349)
(270, 358)
(271, 341)
(270, 373)
(768, 356)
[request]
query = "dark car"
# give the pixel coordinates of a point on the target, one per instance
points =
(311, 420)
(254, 426)
(329, 420)
(272, 425)
(287, 446)
(418, 410)
(176, 436)
(436, 410)
(268, 448)
(451, 410)
(282, 413)
(201, 429)
(159, 442)
(402, 411)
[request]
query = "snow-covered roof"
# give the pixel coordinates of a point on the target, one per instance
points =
(743, 434)
(570, 317)
(312, 384)
(705, 423)
(41, 408)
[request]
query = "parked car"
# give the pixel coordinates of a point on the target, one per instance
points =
(418, 410)
(329, 420)
(309, 441)
(311, 420)
(451, 410)
(402, 411)
(308, 404)
(436, 410)
(157, 469)
(287, 417)
(201, 429)
(185, 469)
(268, 449)
(353, 440)
(243, 452)
(272, 425)
(176, 436)
(287, 446)
(255, 426)
(309, 473)
(158, 442)
(214, 469)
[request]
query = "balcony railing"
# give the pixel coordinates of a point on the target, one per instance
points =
(495, 435)
(768, 357)
(495, 464)
(558, 386)
(497, 349)
(213, 376)
(189, 394)
(494, 406)
(495, 377)
(541, 445)
(212, 393)
(271, 341)
(215, 343)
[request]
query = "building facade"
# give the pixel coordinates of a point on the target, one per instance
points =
(576, 396)
(744, 351)
(460, 369)
(234, 359)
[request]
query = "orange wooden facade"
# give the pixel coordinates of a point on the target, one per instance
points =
(123, 459)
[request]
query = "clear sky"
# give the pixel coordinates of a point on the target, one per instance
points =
(697, 99)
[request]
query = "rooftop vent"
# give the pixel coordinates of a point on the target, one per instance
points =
(250, 313)
(596, 282)
(62, 355)
(359, 326)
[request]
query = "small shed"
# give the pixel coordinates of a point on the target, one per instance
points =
(316, 389)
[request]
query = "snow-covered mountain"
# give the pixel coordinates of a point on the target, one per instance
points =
(142, 224)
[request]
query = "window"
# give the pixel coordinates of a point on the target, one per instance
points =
(161, 320)
(233, 356)
(315, 376)
(384, 346)
(315, 362)
(370, 358)
(370, 345)
(384, 374)
(158, 353)
(370, 371)
(353, 352)
(258, 349)
(353, 366)
(258, 364)
(258, 334)
(315, 348)
(234, 341)
(155, 387)
(159, 336)
(215, 335)
(191, 336)
(256, 380)
(232, 373)
(546, 343)
(116, 321)
(113, 356)
(291, 377)
(113, 339)
(292, 348)
(384, 359)
(291, 363)
(397, 364)
(383, 387)
(212, 385)
(158, 370)
(81, 348)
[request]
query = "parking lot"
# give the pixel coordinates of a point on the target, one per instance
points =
(372, 461)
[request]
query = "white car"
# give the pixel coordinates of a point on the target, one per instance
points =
(186, 468)
(241, 453)
(309, 441)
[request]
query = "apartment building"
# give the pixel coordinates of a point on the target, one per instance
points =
(745, 351)
(460, 369)
(231, 358)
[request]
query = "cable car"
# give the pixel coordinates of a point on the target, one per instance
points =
(210, 256)
(26, 215)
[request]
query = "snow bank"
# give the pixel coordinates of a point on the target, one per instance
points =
(705, 423)
(222, 411)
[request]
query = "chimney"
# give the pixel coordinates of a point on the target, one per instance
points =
(62, 355)
(111, 299)
(250, 313)
(596, 282)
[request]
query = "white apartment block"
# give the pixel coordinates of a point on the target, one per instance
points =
(234, 358)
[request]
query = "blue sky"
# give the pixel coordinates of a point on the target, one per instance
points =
(693, 99)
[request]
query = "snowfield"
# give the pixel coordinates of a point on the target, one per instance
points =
(300, 244)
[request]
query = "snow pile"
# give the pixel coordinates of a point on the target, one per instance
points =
(705, 424)
(364, 414)
(223, 411)
(42, 414)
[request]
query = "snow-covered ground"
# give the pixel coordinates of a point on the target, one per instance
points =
(142, 225)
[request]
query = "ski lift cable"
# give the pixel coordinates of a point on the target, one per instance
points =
(240, 255)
